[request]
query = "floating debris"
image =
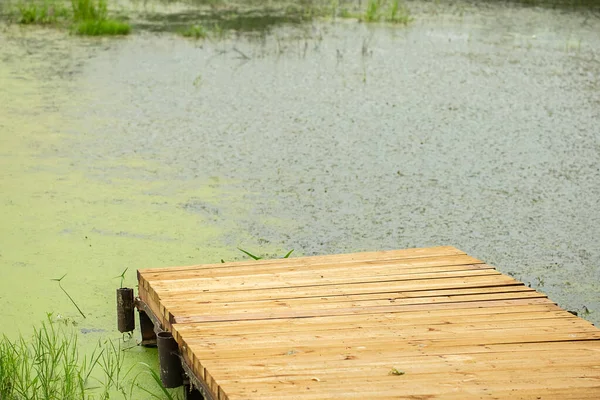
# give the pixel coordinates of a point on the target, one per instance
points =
(395, 371)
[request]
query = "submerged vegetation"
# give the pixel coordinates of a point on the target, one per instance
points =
(196, 32)
(84, 17)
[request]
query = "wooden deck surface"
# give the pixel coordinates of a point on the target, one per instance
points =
(336, 327)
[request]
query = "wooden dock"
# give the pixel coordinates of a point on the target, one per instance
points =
(429, 323)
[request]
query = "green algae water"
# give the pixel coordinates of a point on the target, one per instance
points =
(58, 218)
(473, 126)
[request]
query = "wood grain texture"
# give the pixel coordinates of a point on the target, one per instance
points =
(334, 327)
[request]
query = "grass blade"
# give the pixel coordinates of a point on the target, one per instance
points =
(158, 382)
(288, 254)
(249, 254)
(69, 296)
(122, 276)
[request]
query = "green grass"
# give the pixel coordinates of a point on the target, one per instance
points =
(49, 366)
(394, 11)
(398, 13)
(196, 32)
(105, 27)
(91, 19)
(288, 254)
(85, 17)
(89, 10)
(373, 11)
(41, 13)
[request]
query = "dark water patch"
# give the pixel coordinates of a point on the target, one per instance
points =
(198, 206)
(86, 331)
(244, 21)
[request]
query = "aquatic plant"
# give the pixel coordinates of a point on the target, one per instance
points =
(86, 17)
(195, 31)
(166, 393)
(68, 295)
(91, 19)
(250, 254)
(289, 253)
(122, 277)
(372, 11)
(86, 10)
(41, 13)
(394, 11)
(101, 28)
(49, 367)
(398, 13)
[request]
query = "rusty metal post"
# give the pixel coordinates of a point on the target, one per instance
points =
(171, 372)
(125, 314)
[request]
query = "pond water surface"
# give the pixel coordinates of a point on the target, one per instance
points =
(477, 129)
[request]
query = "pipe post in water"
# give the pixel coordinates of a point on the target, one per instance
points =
(171, 372)
(125, 307)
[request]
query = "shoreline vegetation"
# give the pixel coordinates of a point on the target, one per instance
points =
(49, 366)
(92, 17)
(82, 17)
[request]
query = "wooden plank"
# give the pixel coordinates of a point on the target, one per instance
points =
(500, 291)
(441, 316)
(481, 392)
(278, 281)
(364, 257)
(476, 321)
(206, 280)
(300, 359)
(392, 308)
(554, 352)
(418, 371)
(397, 329)
(419, 337)
(341, 289)
(469, 385)
(535, 374)
(293, 272)
(308, 305)
(209, 350)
